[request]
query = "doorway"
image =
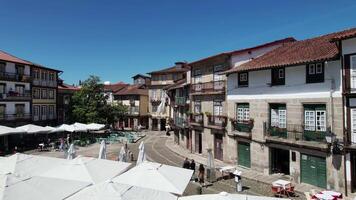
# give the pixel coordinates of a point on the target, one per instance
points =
(279, 161)
(218, 146)
(353, 171)
(155, 124)
(198, 142)
(163, 124)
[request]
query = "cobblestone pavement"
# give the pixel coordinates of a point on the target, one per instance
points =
(156, 149)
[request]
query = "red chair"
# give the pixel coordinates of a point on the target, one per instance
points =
(276, 190)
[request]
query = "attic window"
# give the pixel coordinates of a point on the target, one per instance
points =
(243, 79)
(315, 73)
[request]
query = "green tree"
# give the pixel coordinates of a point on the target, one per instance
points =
(90, 104)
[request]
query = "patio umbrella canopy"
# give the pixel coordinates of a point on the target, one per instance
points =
(95, 126)
(39, 188)
(87, 169)
(32, 129)
(157, 177)
(227, 196)
(114, 191)
(102, 150)
(71, 152)
(63, 128)
(4, 130)
(122, 155)
(25, 166)
(79, 127)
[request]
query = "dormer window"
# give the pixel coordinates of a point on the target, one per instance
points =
(315, 73)
(278, 76)
(243, 79)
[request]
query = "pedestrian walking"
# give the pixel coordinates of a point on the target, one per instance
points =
(192, 165)
(186, 163)
(201, 173)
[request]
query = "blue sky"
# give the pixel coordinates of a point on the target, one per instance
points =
(116, 39)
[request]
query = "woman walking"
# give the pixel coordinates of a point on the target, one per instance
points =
(201, 174)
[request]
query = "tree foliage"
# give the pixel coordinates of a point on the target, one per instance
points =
(89, 105)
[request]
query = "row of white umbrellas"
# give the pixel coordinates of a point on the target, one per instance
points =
(35, 129)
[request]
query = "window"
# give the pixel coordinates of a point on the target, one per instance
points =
(51, 94)
(278, 115)
(154, 108)
(197, 107)
(353, 71)
(243, 79)
(20, 110)
(43, 75)
(51, 76)
(2, 110)
(218, 108)
(155, 77)
(217, 75)
(243, 112)
(36, 113)
(278, 76)
(36, 74)
(2, 88)
(315, 118)
(51, 112)
(2, 68)
(315, 73)
(43, 94)
(36, 93)
(197, 76)
(43, 112)
(20, 89)
(20, 69)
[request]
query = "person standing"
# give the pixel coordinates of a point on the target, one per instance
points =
(186, 164)
(192, 165)
(201, 173)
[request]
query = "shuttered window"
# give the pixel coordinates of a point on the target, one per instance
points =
(353, 71)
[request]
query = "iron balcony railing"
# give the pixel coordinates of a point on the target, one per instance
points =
(14, 117)
(45, 83)
(242, 126)
(295, 132)
(15, 77)
(197, 118)
(214, 86)
(217, 120)
(26, 95)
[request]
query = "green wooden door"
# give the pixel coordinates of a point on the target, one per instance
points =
(244, 155)
(313, 170)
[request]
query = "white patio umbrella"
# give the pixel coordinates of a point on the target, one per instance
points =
(95, 126)
(63, 128)
(210, 167)
(39, 188)
(141, 154)
(109, 190)
(79, 127)
(87, 169)
(4, 130)
(227, 196)
(71, 152)
(122, 155)
(102, 151)
(32, 129)
(157, 177)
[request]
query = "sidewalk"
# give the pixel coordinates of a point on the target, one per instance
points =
(246, 173)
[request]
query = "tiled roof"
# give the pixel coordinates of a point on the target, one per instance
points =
(345, 35)
(177, 84)
(276, 42)
(295, 53)
(65, 86)
(10, 58)
(141, 75)
(133, 90)
(174, 69)
(115, 86)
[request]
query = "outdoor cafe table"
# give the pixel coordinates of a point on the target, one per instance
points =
(328, 195)
(282, 184)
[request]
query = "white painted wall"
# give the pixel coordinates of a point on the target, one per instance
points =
(295, 84)
(239, 59)
(349, 46)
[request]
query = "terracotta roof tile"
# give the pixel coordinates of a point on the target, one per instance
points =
(132, 90)
(345, 35)
(115, 86)
(65, 86)
(10, 58)
(299, 52)
(174, 69)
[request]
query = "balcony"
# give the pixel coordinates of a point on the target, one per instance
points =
(217, 121)
(44, 83)
(134, 110)
(242, 128)
(217, 87)
(15, 117)
(180, 122)
(14, 77)
(197, 119)
(297, 135)
(16, 96)
(181, 101)
(155, 99)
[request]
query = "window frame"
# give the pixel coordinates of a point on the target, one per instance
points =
(276, 78)
(315, 124)
(312, 76)
(242, 83)
(279, 110)
(242, 112)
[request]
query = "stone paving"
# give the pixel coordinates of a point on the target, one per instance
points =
(160, 148)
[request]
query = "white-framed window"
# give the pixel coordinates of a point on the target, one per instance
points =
(353, 71)
(243, 77)
(197, 76)
(315, 118)
(243, 112)
(353, 125)
(154, 94)
(319, 68)
(197, 107)
(278, 116)
(36, 113)
(311, 69)
(218, 108)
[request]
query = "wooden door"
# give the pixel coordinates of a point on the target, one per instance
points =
(218, 146)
